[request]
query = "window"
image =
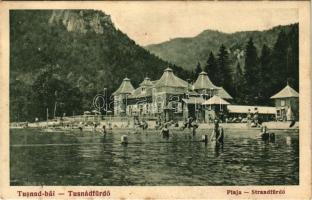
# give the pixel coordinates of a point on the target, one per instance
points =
(282, 102)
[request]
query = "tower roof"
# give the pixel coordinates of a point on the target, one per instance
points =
(168, 79)
(203, 82)
(146, 82)
(125, 87)
(286, 92)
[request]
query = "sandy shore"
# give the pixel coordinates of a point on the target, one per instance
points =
(151, 125)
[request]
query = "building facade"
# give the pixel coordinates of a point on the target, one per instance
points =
(287, 104)
(169, 97)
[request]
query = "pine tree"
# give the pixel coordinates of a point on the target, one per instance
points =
(279, 63)
(251, 73)
(265, 71)
(223, 72)
(238, 83)
(192, 76)
(293, 58)
(211, 67)
(198, 70)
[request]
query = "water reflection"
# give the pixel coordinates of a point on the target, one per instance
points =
(94, 159)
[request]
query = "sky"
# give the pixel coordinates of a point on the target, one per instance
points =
(156, 22)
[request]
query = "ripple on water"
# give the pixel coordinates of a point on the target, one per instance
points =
(95, 160)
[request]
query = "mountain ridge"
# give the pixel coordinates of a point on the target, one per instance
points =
(186, 52)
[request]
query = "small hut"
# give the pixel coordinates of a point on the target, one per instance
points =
(287, 104)
(215, 108)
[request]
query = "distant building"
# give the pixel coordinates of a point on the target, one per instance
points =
(266, 113)
(287, 104)
(169, 97)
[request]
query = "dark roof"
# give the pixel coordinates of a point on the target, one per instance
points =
(203, 82)
(168, 79)
(286, 92)
(125, 87)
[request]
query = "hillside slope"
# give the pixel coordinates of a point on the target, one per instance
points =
(89, 53)
(186, 52)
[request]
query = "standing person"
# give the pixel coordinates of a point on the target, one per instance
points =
(37, 121)
(110, 126)
(248, 119)
(264, 134)
(190, 120)
(145, 125)
(94, 126)
(165, 132)
(256, 117)
(104, 130)
(184, 124)
(194, 127)
(217, 134)
(80, 126)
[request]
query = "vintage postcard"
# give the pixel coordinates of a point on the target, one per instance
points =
(155, 100)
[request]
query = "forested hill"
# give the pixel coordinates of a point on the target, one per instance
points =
(187, 52)
(70, 55)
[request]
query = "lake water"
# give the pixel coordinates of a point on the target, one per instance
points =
(75, 158)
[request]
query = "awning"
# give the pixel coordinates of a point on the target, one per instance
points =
(216, 100)
(251, 109)
(96, 112)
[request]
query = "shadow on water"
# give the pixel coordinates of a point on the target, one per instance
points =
(76, 158)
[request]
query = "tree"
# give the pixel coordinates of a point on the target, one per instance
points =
(211, 67)
(192, 76)
(238, 82)
(265, 72)
(20, 100)
(279, 63)
(198, 70)
(51, 90)
(223, 72)
(251, 75)
(293, 57)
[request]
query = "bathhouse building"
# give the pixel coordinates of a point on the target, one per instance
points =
(287, 104)
(121, 95)
(169, 97)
